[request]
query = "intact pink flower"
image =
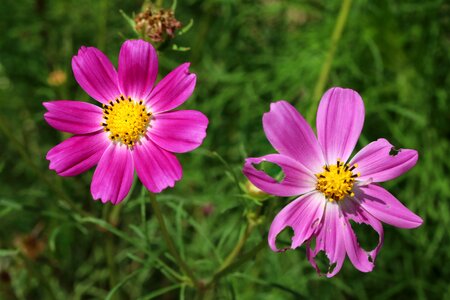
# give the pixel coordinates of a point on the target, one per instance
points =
(332, 189)
(135, 129)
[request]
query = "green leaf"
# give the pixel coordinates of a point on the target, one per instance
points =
(160, 292)
(187, 27)
(8, 252)
(121, 283)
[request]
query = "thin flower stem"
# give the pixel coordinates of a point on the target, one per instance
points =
(170, 244)
(110, 252)
(237, 249)
(243, 258)
(326, 67)
(230, 260)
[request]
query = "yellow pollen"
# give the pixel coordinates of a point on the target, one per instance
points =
(336, 181)
(126, 120)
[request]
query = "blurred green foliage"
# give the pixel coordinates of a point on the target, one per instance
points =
(246, 55)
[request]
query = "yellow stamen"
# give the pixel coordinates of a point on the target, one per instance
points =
(126, 120)
(336, 181)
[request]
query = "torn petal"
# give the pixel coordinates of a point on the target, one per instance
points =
(303, 215)
(330, 240)
(297, 178)
(363, 260)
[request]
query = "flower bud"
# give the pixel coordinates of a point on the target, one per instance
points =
(56, 78)
(254, 192)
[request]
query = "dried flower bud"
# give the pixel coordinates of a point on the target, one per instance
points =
(157, 24)
(30, 245)
(56, 78)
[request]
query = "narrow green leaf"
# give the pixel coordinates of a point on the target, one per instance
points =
(8, 252)
(121, 283)
(160, 292)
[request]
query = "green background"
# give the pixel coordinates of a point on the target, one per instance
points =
(246, 54)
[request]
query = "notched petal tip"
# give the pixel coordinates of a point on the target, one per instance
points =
(138, 43)
(46, 104)
(186, 67)
(274, 105)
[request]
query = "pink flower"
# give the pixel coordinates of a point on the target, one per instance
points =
(135, 129)
(332, 189)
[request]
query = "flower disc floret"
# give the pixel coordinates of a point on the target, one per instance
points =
(126, 120)
(336, 181)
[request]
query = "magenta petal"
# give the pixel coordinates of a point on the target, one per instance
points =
(386, 208)
(329, 239)
(172, 90)
(95, 74)
(340, 119)
(303, 215)
(375, 162)
(291, 135)
(73, 116)
(77, 154)
(156, 167)
(297, 178)
(361, 259)
(138, 68)
(114, 175)
(178, 131)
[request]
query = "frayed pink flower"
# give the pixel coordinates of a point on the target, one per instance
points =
(332, 189)
(135, 129)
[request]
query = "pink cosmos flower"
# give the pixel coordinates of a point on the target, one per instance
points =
(135, 129)
(332, 189)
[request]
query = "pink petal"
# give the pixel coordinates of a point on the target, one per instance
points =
(363, 260)
(179, 131)
(156, 167)
(95, 74)
(77, 154)
(114, 175)
(303, 215)
(297, 178)
(73, 116)
(340, 119)
(138, 68)
(329, 238)
(375, 162)
(291, 135)
(172, 90)
(386, 208)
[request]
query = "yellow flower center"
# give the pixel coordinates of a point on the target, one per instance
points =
(336, 181)
(126, 120)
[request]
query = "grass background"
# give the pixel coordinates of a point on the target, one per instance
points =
(246, 55)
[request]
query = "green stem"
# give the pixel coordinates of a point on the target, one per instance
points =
(243, 258)
(326, 67)
(237, 249)
(110, 252)
(170, 244)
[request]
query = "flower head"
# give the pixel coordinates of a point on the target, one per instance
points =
(333, 189)
(134, 130)
(157, 24)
